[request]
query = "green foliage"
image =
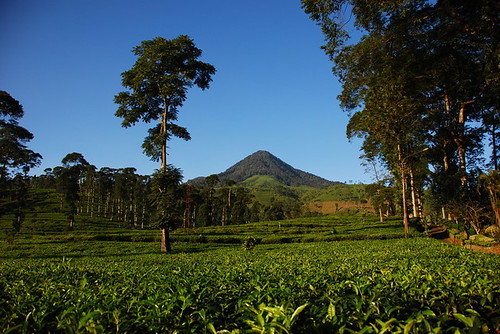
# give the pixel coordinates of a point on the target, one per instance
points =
(261, 181)
(337, 192)
(493, 231)
(165, 197)
(441, 98)
(412, 285)
(249, 243)
(158, 84)
(15, 157)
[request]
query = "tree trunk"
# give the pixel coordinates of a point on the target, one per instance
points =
(414, 198)
(459, 139)
(494, 145)
(92, 207)
(163, 132)
(229, 207)
(494, 202)
(143, 215)
(406, 220)
(165, 241)
(223, 220)
(99, 207)
(136, 216)
(119, 212)
(463, 168)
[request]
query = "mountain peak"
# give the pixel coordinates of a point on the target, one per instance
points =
(265, 163)
(261, 153)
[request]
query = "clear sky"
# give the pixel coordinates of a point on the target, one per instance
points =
(273, 89)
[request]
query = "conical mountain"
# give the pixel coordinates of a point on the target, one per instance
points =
(264, 163)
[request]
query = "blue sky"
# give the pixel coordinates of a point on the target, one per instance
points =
(273, 89)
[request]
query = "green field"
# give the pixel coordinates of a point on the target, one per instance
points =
(101, 277)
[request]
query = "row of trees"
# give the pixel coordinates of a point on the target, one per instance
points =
(119, 194)
(124, 196)
(422, 89)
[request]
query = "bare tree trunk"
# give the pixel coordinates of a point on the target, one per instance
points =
(106, 207)
(135, 216)
(92, 207)
(461, 149)
(406, 220)
(163, 131)
(229, 208)
(143, 215)
(461, 157)
(413, 194)
(494, 145)
(165, 241)
(459, 139)
(494, 199)
(119, 212)
(131, 213)
(223, 220)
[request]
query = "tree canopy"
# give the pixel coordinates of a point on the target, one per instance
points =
(158, 84)
(15, 157)
(419, 83)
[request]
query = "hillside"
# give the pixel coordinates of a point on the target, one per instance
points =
(264, 163)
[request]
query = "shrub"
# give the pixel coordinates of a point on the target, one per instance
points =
(249, 243)
(493, 231)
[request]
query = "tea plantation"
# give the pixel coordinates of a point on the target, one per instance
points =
(80, 282)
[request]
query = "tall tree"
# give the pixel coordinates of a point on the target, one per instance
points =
(157, 87)
(427, 64)
(15, 158)
(386, 115)
(158, 84)
(74, 167)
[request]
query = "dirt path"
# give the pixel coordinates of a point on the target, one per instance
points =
(493, 249)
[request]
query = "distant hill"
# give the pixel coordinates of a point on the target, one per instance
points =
(264, 163)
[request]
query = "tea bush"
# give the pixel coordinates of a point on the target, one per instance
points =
(370, 286)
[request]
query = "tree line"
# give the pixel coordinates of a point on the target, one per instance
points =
(124, 196)
(121, 195)
(421, 87)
